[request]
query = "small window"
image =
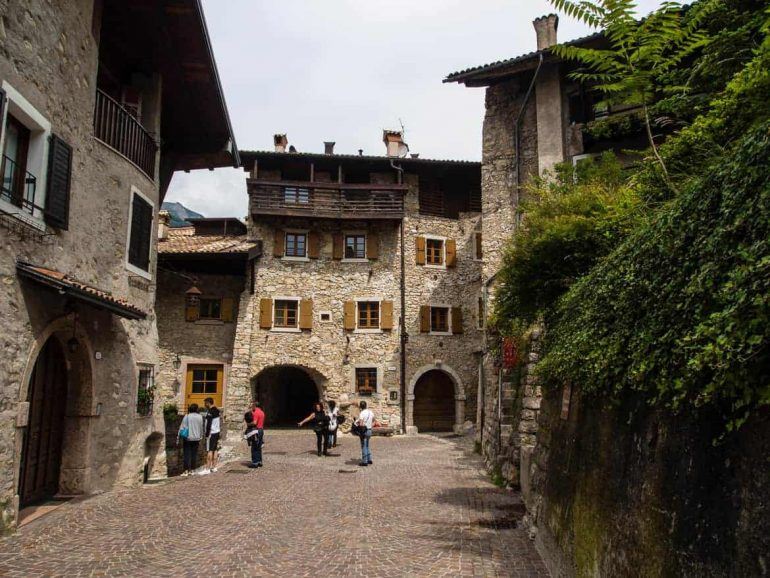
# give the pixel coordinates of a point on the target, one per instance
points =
(478, 252)
(368, 314)
(296, 196)
(434, 251)
(366, 380)
(210, 308)
(480, 320)
(296, 245)
(325, 316)
(286, 313)
(140, 233)
(204, 381)
(146, 390)
(355, 246)
(439, 319)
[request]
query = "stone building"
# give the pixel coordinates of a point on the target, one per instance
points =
(96, 100)
(536, 116)
(367, 287)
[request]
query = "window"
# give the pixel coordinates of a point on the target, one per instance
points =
(368, 314)
(434, 251)
(480, 320)
(18, 184)
(285, 314)
(140, 233)
(366, 380)
(325, 316)
(210, 308)
(478, 251)
(439, 319)
(355, 246)
(296, 245)
(296, 196)
(146, 390)
(204, 381)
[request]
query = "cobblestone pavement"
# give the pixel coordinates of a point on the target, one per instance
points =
(424, 508)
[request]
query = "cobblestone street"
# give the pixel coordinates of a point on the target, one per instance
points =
(424, 508)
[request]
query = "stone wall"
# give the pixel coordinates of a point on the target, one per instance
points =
(48, 55)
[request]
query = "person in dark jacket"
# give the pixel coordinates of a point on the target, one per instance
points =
(253, 436)
(320, 427)
(213, 429)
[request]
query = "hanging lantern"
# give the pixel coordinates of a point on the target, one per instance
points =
(193, 296)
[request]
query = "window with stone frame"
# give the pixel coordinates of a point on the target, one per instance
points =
(439, 319)
(286, 313)
(368, 314)
(210, 308)
(366, 380)
(434, 251)
(296, 245)
(355, 246)
(145, 390)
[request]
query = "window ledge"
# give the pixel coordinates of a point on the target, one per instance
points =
(209, 322)
(442, 333)
(296, 259)
(21, 215)
(367, 330)
(137, 271)
(354, 260)
(286, 330)
(442, 267)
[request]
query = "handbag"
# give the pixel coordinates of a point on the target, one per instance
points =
(184, 433)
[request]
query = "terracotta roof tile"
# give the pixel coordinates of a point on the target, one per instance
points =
(184, 243)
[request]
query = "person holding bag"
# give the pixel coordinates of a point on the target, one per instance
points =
(320, 427)
(191, 433)
(333, 413)
(365, 423)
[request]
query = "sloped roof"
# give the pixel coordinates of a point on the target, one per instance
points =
(247, 156)
(182, 243)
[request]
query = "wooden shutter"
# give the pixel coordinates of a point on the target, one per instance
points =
(57, 199)
(457, 320)
(338, 246)
(306, 314)
(349, 322)
(265, 313)
(419, 250)
(425, 319)
(451, 253)
(192, 312)
(386, 315)
(479, 252)
(141, 233)
(372, 246)
(313, 245)
(227, 309)
(279, 243)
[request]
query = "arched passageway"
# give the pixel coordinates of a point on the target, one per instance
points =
(287, 394)
(434, 402)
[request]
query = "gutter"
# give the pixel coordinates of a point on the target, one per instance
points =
(402, 323)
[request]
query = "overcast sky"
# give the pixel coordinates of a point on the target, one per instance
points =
(343, 70)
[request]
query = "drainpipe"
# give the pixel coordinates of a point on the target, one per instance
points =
(517, 137)
(482, 378)
(402, 323)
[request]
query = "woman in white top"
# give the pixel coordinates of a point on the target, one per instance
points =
(332, 412)
(366, 422)
(193, 424)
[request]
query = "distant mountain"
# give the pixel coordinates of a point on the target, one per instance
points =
(179, 214)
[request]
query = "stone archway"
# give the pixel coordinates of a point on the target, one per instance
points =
(59, 367)
(287, 393)
(459, 396)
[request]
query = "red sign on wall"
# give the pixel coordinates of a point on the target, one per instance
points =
(510, 353)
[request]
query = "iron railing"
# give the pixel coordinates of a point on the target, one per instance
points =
(116, 127)
(19, 186)
(326, 200)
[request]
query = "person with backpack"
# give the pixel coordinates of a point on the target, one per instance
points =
(320, 426)
(333, 413)
(191, 433)
(213, 428)
(364, 424)
(253, 436)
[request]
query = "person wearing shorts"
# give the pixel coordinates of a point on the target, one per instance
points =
(213, 429)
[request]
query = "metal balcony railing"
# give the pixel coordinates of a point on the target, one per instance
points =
(116, 127)
(18, 186)
(326, 200)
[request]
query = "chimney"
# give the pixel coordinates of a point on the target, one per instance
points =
(415, 155)
(280, 142)
(329, 147)
(164, 218)
(545, 28)
(394, 141)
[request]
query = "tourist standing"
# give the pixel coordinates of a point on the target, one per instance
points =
(213, 428)
(320, 427)
(191, 433)
(333, 413)
(365, 423)
(253, 436)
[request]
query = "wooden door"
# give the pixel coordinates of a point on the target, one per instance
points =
(204, 381)
(434, 402)
(41, 454)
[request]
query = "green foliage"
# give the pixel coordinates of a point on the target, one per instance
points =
(682, 309)
(170, 411)
(613, 127)
(575, 218)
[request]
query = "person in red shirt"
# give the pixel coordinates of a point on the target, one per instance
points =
(259, 415)
(259, 426)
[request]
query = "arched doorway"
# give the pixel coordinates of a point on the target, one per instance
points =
(434, 402)
(41, 457)
(287, 394)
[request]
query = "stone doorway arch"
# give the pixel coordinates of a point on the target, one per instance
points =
(287, 393)
(459, 395)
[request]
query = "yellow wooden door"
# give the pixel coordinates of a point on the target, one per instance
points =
(204, 381)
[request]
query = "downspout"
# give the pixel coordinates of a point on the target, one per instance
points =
(402, 322)
(517, 138)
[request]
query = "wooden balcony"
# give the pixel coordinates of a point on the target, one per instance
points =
(326, 200)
